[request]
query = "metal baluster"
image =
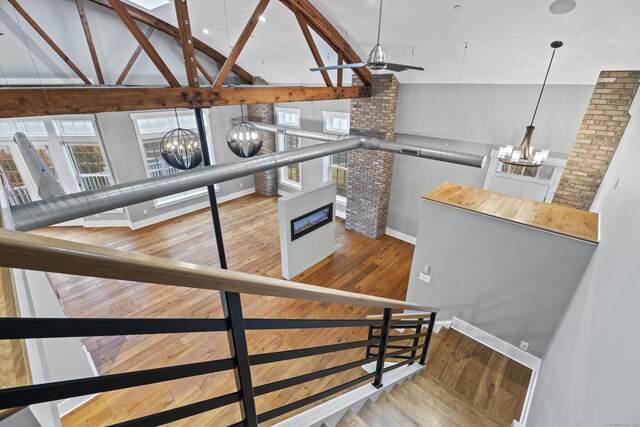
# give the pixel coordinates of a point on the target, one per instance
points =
(416, 340)
(382, 349)
(432, 321)
(369, 337)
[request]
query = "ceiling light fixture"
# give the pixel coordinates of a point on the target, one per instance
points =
(181, 148)
(560, 7)
(205, 30)
(244, 138)
(525, 155)
(262, 18)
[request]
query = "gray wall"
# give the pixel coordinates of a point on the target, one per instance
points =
(589, 375)
(509, 280)
(125, 158)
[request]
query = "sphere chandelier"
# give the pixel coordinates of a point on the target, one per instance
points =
(525, 155)
(244, 138)
(181, 148)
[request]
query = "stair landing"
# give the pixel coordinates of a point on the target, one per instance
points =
(464, 384)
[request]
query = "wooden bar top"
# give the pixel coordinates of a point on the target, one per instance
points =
(570, 222)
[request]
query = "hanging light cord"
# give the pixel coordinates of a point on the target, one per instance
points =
(543, 86)
(455, 97)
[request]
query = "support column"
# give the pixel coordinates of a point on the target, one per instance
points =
(598, 138)
(265, 183)
(370, 172)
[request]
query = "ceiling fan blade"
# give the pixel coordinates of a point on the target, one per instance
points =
(338, 67)
(400, 67)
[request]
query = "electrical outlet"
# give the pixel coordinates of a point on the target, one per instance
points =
(426, 269)
(240, 185)
(524, 345)
(144, 211)
(424, 277)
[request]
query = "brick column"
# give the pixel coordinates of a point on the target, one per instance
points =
(265, 183)
(602, 128)
(370, 172)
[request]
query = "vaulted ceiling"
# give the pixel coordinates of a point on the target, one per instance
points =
(508, 39)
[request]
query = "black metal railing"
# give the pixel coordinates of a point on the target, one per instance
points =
(378, 348)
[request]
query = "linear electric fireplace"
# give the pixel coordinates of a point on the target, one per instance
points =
(310, 221)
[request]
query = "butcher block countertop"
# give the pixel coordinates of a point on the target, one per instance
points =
(558, 219)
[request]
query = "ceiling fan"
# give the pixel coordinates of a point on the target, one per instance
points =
(377, 59)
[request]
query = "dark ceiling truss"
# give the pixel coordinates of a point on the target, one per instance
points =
(73, 99)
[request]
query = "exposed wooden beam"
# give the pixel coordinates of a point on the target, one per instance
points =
(312, 46)
(186, 42)
(204, 72)
(242, 41)
(165, 27)
(329, 34)
(148, 48)
(49, 41)
(133, 58)
(340, 70)
(87, 35)
(48, 101)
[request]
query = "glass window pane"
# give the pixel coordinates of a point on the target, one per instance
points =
(45, 156)
(90, 165)
(31, 127)
(12, 179)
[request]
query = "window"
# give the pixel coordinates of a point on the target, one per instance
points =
(11, 178)
(289, 175)
(31, 127)
(543, 172)
(78, 127)
(45, 156)
(336, 167)
(90, 166)
(150, 128)
(335, 122)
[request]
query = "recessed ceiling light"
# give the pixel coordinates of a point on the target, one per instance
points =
(205, 30)
(150, 4)
(560, 7)
(262, 18)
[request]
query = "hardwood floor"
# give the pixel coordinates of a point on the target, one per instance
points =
(250, 226)
(483, 384)
(465, 384)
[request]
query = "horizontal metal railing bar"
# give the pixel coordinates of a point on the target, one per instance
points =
(176, 414)
(402, 337)
(262, 358)
(405, 315)
(290, 382)
(265, 416)
(408, 323)
(262, 324)
(32, 252)
(38, 393)
(400, 364)
(31, 327)
(399, 352)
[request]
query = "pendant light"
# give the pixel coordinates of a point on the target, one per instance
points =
(525, 155)
(181, 148)
(244, 139)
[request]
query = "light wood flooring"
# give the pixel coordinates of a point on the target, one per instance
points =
(465, 384)
(250, 227)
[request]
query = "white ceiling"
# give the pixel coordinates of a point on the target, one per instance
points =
(508, 39)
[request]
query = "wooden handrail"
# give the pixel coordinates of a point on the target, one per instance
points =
(31, 252)
(405, 315)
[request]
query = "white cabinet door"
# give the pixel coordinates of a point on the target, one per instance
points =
(519, 188)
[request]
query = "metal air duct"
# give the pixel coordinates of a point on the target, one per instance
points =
(47, 185)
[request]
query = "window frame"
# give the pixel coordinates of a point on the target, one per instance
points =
(283, 171)
(327, 162)
(174, 198)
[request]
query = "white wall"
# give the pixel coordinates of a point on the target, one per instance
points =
(589, 375)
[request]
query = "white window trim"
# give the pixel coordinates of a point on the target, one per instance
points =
(341, 115)
(175, 198)
(282, 172)
(295, 111)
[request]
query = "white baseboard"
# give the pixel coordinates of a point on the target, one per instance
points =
(187, 209)
(68, 405)
(441, 324)
(401, 236)
(509, 350)
(341, 214)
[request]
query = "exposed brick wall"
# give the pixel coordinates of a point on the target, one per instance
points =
(265, 183)
(602, 128)
(370, 172)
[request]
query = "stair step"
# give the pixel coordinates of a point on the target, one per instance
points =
(396, 410)
(374, 416)
(351, 420)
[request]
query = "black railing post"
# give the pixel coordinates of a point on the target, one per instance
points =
(232, 308)
(432, 321)
(382, 349)
(416, 340)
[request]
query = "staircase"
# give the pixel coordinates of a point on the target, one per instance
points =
(464, 384)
